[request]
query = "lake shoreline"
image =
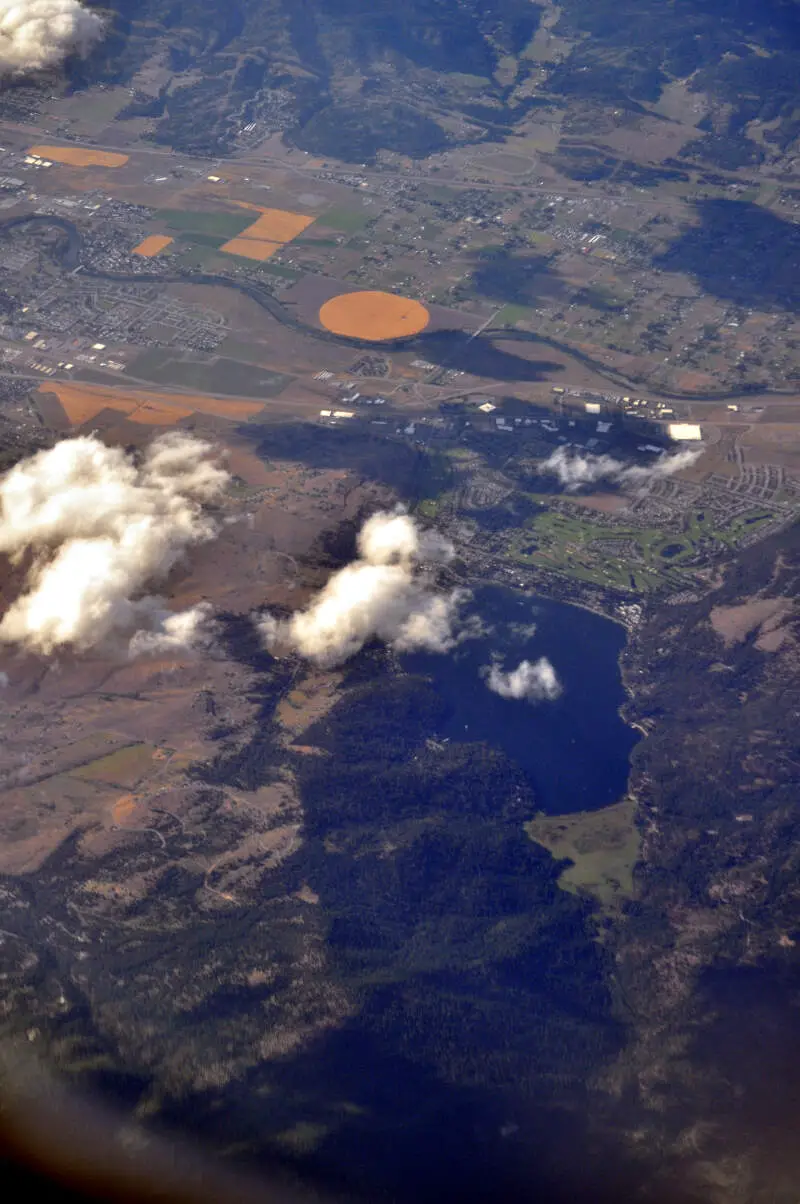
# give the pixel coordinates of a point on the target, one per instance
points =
(575, 749)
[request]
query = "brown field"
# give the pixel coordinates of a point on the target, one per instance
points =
(268, 233)
(152, 245)
(249, 467)
(219, 407)
(243, 204)
(607, 503)
(373, 315)
(772, 443)
(122, 808)
(694, 382)
(82, 403)
(278, 225)
(251, 248)
(151, 414)
(77, 156)
(307, 704)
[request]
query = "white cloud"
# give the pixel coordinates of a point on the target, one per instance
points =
(173, 631)
(384, 594)
(574, 469)
(35, 34)
(93, 529)
(533, 681)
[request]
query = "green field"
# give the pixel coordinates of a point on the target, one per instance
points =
(602, 845)
(199, 238)
(193, 222)
(511, 314)
(223, 375)
(205, 259)
(348, 220)
(428, 508)
(125, 767)
(314, 242)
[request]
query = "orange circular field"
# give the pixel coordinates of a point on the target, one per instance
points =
(373, 316)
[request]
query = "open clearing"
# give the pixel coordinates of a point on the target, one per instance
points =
(125, 767)
(221, 375)
(603, 846)
(194, 221)
(82, 403)
(347, 220)
(736, 623)
(77, 156)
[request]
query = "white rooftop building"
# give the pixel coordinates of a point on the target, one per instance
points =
(684, 431)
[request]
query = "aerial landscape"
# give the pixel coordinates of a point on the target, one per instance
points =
(399, 636)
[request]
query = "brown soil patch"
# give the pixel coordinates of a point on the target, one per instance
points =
(308, 895)
(82, 403)
(735, 623)
(122, 808)
(307, 703)
(608, 503)
(268, 233)
(77, 156)
(771, 639)
(278, 225)
(771, 435)
(244, 204)
(246, 465)
(374, 316)
(151, 245)
(695, 382)
(158, 415)
(251, 248)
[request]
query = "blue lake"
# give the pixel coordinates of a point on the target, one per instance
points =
(575, 750)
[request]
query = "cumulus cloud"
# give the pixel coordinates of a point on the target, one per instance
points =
(93, 528)
(172, 631)
(574, 469)
(35, 34)
(533, 681)
(384, 594)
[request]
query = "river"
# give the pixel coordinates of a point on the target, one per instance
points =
(476, 353)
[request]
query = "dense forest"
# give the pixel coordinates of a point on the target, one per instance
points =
(706, 954)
